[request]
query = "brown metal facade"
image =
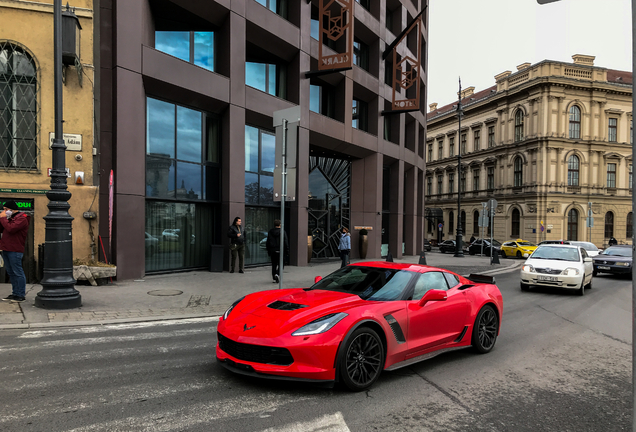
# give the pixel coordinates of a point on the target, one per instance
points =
(388, 154)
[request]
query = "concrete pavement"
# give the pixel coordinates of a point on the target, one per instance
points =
(194, 294)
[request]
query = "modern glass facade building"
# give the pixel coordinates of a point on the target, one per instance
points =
(187, 96)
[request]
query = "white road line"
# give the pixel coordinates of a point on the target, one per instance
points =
(327, 423)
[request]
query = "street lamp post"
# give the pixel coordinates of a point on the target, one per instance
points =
(58, 284)
(459, 251)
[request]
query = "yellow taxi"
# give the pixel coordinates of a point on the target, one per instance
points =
(519, 248)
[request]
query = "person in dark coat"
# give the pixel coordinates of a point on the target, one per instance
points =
(613, 241)
(273, 248)
(237, 244)
(472, 239)
(14, 226)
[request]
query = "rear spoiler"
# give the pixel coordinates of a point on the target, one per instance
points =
(477, 278)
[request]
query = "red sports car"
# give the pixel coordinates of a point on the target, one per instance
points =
(356, 322)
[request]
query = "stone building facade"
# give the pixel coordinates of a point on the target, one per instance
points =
(544, 142)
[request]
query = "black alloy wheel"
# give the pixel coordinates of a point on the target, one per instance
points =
(524, 286)
(485, 330)
(518, 254)
(363, 359)
(503, 253)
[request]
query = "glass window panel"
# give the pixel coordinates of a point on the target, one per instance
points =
(314, 98)
(266, 193)
(204, 50)
(214, 137)
(268, 152)
(175, 43)
(160, 180)
(271, 76)
(255, 75)
(26, 153)
(4, 61)
(315, 29)
(212, 183)
(251, 149)
(257, 222)
(22, 64)
(160, 128)
(188, 181)
(263, 2)
(24, 96)
(251, 188)
(188, 134)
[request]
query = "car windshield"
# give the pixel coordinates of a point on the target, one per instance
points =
(587, 246)
(556, 253)
(618, 251)
(370, 283)
(525, 243)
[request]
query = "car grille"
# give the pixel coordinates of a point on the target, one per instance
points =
(281, 305)
(255, 353)
(548, 271)
(599, 262)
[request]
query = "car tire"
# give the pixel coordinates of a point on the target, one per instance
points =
(581, 290)
(485, 330)
(589, 286)
(524, 286)
(471, 252)
(442, 250)
(362, 360)
(594, 273)
(503, 254)
(519, 254)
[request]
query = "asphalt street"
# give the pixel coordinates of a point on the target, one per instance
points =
(562, 363)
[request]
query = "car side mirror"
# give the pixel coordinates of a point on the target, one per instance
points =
(588, 259)
(433, 295)
(317, 279)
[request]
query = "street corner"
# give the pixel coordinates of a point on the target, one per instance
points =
(10, 313)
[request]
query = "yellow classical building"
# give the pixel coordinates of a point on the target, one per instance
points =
(544, 142)
(27, 119)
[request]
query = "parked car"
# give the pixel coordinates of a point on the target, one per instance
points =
(170, 234)
(427, 245)
(358, 321)
(590, 248)
(152, 245)
(449, 246)
(558, 266)
(519, 248)
(475, 247)
(615, 260)
(546, 242)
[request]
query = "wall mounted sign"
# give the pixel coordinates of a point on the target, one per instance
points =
(24, 191)
(336, 25)
(25, 205)
(73, 142)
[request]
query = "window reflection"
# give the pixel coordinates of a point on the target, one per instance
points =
(160, 128)
(188, 134)
(178, 44)
(189, 181)
(251, 148)
(256, 75)
(268, 149)
(204, 50)
(159, 177)
(251, 188)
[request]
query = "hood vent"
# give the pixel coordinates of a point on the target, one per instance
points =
(281, 305)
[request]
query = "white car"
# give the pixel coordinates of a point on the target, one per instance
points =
(590, 248)
(559, 266)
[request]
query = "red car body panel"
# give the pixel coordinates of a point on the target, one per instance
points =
(431, 328)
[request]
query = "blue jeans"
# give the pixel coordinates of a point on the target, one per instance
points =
(344, 256)
(13, 265)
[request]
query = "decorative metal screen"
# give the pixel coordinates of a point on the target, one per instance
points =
(329, 203)
(19, 108)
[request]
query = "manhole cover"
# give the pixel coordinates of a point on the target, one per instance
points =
(165, 292)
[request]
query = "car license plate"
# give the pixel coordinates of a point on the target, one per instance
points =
(547, 278)
(603, 268)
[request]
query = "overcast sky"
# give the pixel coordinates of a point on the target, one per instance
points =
(478, 39)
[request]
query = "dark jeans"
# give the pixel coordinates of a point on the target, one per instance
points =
(13, 264)
(240, 252)
(344, 256)
(275, 256)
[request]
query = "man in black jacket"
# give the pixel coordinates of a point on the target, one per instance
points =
(237, 243)
(273, 248)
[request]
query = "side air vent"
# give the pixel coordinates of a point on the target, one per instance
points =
(281, 305)
(395, 327)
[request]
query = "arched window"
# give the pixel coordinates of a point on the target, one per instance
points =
(609, 224)
(476, 223)
(451, 222)
(629, 232)
(575, 122)
(573, 170)
(573, 225)
(516, 223)
(18, 108)
(519, 126)
(518, 172)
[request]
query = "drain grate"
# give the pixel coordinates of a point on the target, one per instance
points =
(198, 300)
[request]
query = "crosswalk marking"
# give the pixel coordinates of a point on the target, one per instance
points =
(327, 423)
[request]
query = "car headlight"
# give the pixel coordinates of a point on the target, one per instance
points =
(227, 312)
(570, 272)
(528, 268)
(320, 325)
(626, 264)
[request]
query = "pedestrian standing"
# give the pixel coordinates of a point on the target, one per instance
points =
(237, 244)
(273, 248)
(14, 226)
(472, 239)
(345, 247)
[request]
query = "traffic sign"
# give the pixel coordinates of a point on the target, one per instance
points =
(542, 228)
(440, 226)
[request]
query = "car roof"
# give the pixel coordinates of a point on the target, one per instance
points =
(557, 245)
(399, 266)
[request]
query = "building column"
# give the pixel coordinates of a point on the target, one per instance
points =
(396, 208)
(560, 117)
(366, 202)
(411, 246)
(299, 213)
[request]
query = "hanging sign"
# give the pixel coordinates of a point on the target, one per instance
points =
(336, 25)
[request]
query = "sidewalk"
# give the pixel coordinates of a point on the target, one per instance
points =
(193, 294)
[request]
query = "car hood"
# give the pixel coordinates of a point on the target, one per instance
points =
(601, 258)
(277, 312)
(552, 264)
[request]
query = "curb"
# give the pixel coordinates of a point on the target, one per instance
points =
(26, 326)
